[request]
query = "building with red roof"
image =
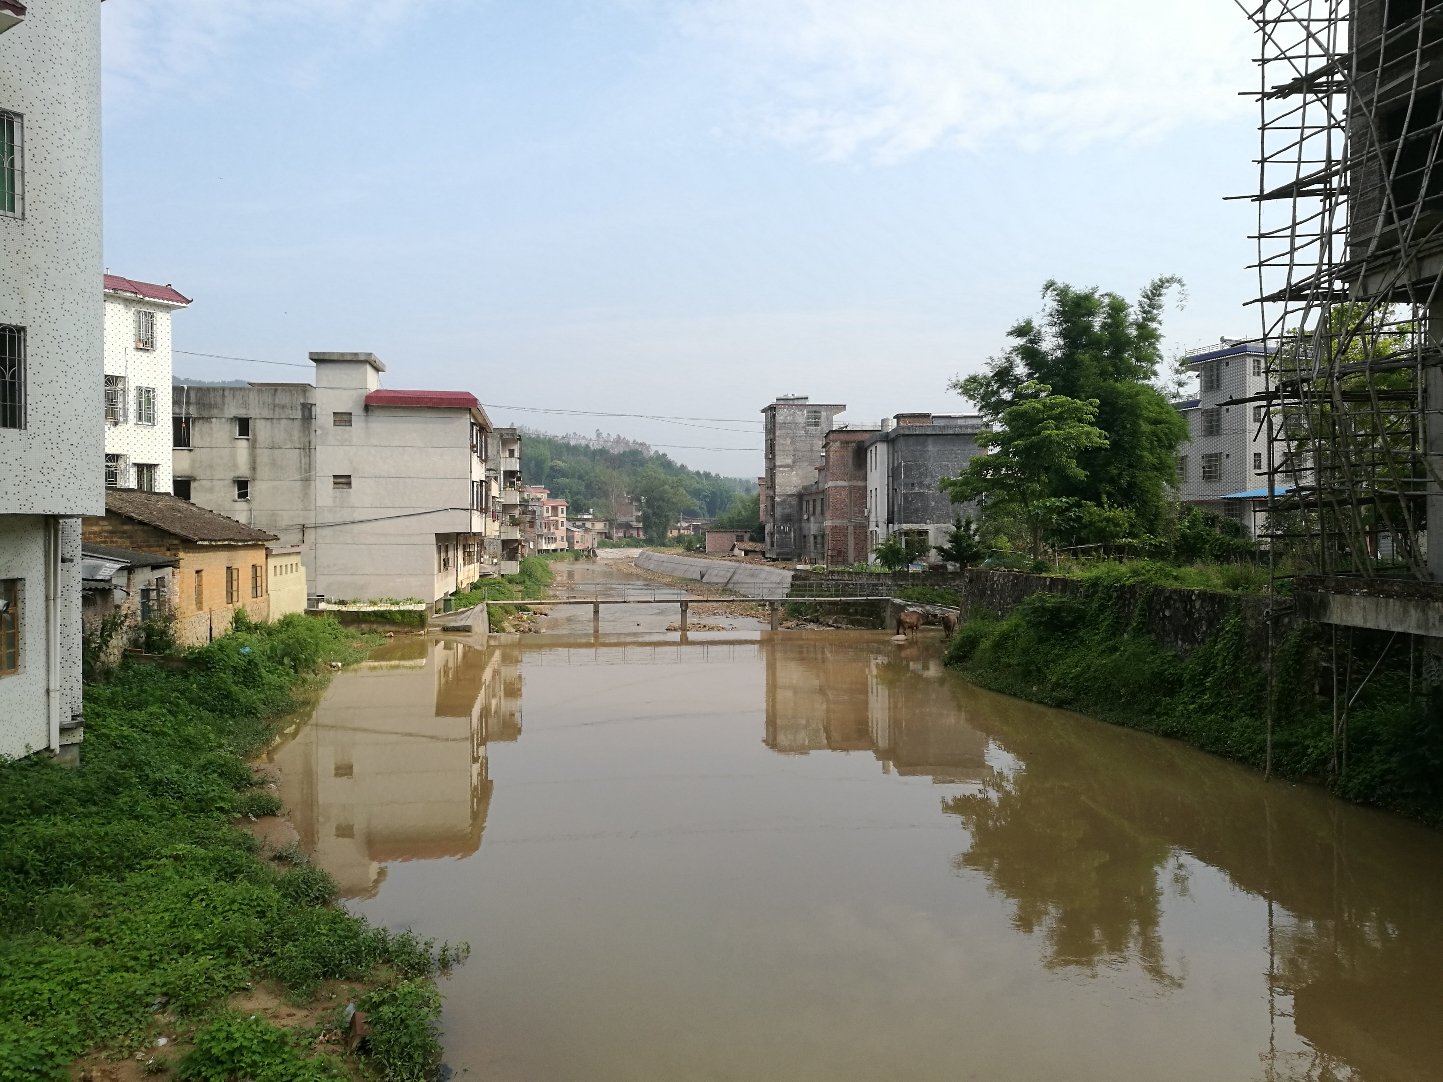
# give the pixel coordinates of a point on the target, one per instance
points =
(389, 493)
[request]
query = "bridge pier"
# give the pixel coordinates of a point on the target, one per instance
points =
(595, 616)
(684, 606)
(774, 611)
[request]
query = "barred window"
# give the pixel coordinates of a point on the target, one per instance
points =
(1257, 366)
(12, 165)
(145, 476)
(1182, 469)
(814, 420)
(1212, 467)
(1212, 422)
(232, 585)
(1212, 376)
(340, 480)
(341, 420)
(12, 377)
(115, 400)
(10, 624)
(144, 329)
(115, 471)
(256, 581)
(145, 405)
(1258, 461)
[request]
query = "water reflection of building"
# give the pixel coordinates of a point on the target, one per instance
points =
(393, 762)
(856, 694)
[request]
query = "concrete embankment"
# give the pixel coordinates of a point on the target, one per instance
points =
(753, 580)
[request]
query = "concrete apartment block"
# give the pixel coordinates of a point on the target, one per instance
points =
(50, 360)
(138, 377)
(795, 430)
(833, 508)
(387, 493)
(906, 462)
(1227, 450)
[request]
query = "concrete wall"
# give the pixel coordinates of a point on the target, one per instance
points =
(139, 443)
(905, 468)
(795, 430)
(754, 580)
(50, 281)
(286, 582)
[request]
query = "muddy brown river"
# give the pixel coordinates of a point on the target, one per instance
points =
(817, 855)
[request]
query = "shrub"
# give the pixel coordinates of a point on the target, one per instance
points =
(404, 1021)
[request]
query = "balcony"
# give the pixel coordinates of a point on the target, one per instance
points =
(508, 532)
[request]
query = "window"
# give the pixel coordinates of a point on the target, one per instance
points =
(145, 405)
(340, 480)
(242, 428)
(1212, 467)
(257, 583)
(341, 420)
(814, 420)
(1182, 469)
(1257, 462)
(478, 495)
(199, 591)
(115, 400)
(445, 557)
(12, 165)
(114, 471)
(1259, 413)
(1212, 376)
(1212, 422)
(12, 377)
(232, 585)
(180, 486)
(180, 431)
(1257, 366)
(242, 488)
(145, 476)
(144, 329)
(9, 626)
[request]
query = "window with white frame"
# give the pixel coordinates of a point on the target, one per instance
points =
(1212, 422)
(145, 476)
(115, 471)
(242, 488)
(1260, 414)
(115, 400)
(1212, 467)
(12, 165)
(145, 405)
(12, 376)
(242, 428)
(144, 329)
(1257, 462)
(1257, 366)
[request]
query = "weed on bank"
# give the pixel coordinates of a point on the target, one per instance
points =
(1093, 655)
(131, 906)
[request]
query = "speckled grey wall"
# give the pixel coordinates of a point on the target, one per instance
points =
(50, 261)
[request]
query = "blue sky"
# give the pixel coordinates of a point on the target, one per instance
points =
(678, 207)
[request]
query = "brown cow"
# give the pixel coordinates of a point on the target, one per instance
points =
(908, 621)
(949, 623)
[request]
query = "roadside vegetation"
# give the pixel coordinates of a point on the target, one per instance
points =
(529, 584)
(133, 908)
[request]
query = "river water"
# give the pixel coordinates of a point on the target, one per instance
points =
(810, 855)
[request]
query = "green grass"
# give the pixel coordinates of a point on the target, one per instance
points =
(1091, 655)
(528, 585)
(128, 899)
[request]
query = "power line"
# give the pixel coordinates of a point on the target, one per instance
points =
(669, 418)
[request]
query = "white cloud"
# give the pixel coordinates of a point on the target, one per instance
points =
(157, 47)
(886, 79)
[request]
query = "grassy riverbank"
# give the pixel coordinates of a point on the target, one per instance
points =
(530, 584)
(1090, 654)
(133, 908)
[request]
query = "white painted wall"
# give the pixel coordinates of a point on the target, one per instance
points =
(50, 273)
(139, 443)
(1242, 440)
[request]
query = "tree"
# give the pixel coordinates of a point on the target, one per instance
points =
(742, 513)
(963, 548)
(895, 553)
(663, 498)
(1092, 346)
(1032, 461)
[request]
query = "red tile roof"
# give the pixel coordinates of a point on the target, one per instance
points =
(432, 400)
(114, 283)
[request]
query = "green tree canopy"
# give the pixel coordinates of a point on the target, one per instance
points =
(663, 500)
(1032, 462)
(1091, 346)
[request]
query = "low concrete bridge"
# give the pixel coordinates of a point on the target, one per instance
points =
(476, 616)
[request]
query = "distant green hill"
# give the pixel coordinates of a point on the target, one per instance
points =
(594, 475)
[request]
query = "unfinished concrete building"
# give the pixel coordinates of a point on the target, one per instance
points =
(795, 429)
(1350, 260)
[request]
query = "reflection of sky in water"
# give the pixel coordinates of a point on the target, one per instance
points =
(819, 856)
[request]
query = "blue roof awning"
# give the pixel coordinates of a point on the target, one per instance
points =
(1256, 493)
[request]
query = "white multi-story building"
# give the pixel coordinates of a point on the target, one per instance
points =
(50, 359)
(1223, 468)
(386, 492)
(137, 383)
